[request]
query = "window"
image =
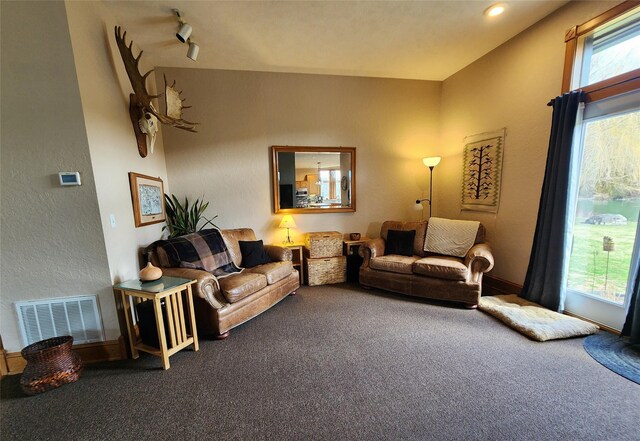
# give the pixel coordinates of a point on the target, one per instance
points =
(603, 55)
(609, 51)
(608, 199)
(603, 59)
(330, 185)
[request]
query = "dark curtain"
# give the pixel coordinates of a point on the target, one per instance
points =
(631, 326)
(543, 283)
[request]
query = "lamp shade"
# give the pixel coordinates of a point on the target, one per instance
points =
(431, 161)
(287, 222)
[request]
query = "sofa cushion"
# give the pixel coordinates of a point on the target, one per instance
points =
(274, 271)
(253, 253)
(239, 286)
(394, 264)
(442, 267)
(399, 242)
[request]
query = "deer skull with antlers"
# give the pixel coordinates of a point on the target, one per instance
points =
(144, 115)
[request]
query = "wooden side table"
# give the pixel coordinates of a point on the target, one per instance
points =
(168, 295)
(351, 246)
(350, 249)
(296, 248)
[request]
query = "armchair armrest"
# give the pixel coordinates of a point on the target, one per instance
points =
(278, 253)
(479, 258)
(371, 249)
(206, 286)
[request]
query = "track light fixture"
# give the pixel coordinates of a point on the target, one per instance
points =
(192, 53)
(184, 35)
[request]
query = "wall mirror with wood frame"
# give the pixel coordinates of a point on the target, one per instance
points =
(313, 179)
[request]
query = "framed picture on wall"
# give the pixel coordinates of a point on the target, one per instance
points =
(147, 195)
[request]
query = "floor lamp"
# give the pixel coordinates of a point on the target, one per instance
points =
(430, 162)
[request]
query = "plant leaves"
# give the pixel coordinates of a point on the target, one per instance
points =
(184, 218)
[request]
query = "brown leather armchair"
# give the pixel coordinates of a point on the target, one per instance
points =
(423, 274)
(222, 304)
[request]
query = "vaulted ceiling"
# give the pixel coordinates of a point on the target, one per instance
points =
(428, 40)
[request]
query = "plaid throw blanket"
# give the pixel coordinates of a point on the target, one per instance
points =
(203, 250)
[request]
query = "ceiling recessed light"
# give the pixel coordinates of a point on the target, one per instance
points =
(494, 10)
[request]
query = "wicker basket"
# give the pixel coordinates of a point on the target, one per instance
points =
(50, 364)
(325, 271)
(323, 244)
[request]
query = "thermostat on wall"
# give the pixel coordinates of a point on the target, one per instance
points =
(69, 178)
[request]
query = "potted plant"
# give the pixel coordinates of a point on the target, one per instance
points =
(184, 218)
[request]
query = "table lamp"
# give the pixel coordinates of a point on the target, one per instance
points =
(288, 222)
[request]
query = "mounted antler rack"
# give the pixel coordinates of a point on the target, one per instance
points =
(144, 115)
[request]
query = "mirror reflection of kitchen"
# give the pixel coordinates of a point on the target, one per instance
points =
(314, 180)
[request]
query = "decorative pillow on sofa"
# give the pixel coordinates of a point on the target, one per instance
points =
(400, 242)
(253, 253)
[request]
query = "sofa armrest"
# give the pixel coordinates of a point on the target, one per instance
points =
(279, 254)
(371, 249)
(479, 258)
(206, 286)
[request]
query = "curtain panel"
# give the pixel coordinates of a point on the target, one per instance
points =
(545, 274)
(631, 326)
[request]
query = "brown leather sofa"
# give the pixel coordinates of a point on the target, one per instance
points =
(222, 304)
(423, 274)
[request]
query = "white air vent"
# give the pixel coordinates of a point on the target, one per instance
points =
(77, 316)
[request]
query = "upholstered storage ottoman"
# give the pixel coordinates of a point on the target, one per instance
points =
(323, 244)
(325, 270)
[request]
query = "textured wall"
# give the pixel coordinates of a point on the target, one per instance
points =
(52, 241)
(104, 90)
(509, 87)
(392, 124)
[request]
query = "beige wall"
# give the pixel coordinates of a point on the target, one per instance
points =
(81, 87)
(104, 89)
(52, 239)
(392, 124)
(509, 87)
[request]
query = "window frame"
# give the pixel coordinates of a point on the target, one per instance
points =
(617, 85)
(620, 87)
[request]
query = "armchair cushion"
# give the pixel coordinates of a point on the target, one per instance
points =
(400, 242)
(442, 267)
(253, 253)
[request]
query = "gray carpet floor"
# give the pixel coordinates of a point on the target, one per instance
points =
(340, 363)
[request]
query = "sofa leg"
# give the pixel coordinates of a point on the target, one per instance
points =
(222, 336)
(293, 293)
(471, 306)
(365, 287)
